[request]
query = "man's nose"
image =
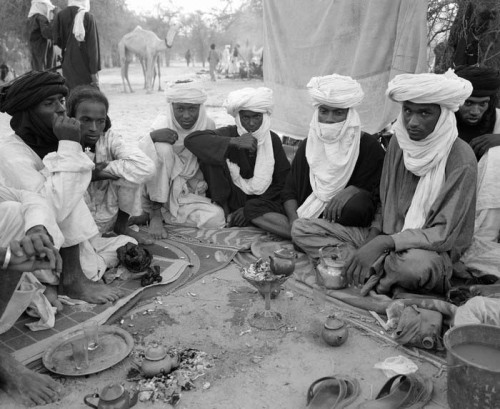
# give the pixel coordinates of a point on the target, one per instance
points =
(475, 109)
(93, 125)
(60, 108)
(413, 121)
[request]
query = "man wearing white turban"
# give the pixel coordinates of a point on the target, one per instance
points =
(336, 170)
(75, 32)
(244, 165)
(427, 193)
(176, 193)
(40, 34)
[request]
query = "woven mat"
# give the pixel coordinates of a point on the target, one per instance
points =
(181, 260)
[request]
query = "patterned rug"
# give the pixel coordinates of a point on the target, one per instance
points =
(181, 260)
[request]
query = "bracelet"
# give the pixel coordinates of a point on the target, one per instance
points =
(6, 260)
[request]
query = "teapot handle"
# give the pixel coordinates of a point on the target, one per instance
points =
(91, 396)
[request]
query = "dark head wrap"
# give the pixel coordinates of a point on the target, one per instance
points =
(485, 80)
(19, 97)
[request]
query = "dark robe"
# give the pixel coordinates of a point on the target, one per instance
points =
(485, 126)
(40, 40)
(365, 176)
(80, 60)
(212, 149)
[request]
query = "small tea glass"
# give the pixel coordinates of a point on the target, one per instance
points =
(80, 353)
(91, 332)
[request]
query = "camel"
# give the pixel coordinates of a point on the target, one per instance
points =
(146, 46)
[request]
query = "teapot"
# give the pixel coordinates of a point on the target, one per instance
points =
(282, 263)
(157, 360)
(113, 396)
(330, 268)
(334, 332)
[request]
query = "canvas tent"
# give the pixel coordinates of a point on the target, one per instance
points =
(370, 40)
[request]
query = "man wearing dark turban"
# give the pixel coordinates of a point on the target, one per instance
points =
(44, 155)
(478, 119)
(478, 123)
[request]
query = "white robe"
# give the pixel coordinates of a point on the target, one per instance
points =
(179, 184)
(62, 178)
(126, 161)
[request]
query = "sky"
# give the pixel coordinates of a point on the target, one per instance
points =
(189, 6)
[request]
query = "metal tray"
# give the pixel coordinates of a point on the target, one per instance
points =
(114, 345)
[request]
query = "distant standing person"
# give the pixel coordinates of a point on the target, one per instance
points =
(75, 32)
(188, 56)
(213, 61)
(234, 67)
(40, 34)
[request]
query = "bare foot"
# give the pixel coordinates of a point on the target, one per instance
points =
(156, 229)
(142, 238)
(25, 386)
(141, 220)
(82, 288)
(51, 294)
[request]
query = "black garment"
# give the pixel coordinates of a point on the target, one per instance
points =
(365, 176)
(212, 149)
(80, 59)
(40, 31)
(485, 126)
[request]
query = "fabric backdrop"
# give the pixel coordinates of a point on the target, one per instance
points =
(369, 40)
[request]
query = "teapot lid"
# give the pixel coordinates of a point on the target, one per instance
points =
(155, 353)
(333, 323)
(112, 392)
(284, 253)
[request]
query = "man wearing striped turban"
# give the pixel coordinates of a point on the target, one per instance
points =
(75, 32)
(244, 165)
(479, 124)
(176, 193)
(427, 203)
(336, 171)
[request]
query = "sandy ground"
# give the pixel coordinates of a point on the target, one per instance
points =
(252, 369)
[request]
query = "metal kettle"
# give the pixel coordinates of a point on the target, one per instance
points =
(113, 396)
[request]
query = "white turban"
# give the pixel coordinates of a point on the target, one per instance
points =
(43, 7)
(251, 99)
(337, 91)
(185, 93)
(78, 27)
(447, 90)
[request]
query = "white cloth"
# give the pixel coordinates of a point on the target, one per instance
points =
(43, 7)
(178, 183)
(331, 161)
(62, 178)
(427, 158)
(338, 91)
(185, 93)
(78, 27)
(126, 161)
(483, 255)
(258, 100)
(332, 150)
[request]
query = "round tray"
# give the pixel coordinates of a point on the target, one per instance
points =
(114, 345)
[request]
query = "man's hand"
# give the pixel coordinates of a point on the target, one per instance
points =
(100, 174)
(245, 141)
(333, 209)
(35, 251)
(164, 135)
(66, 128)
(357, 267)
(237, 218)
(482, 143)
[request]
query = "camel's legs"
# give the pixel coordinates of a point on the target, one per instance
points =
(158, 63)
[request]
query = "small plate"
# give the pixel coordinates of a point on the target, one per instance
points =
(114, 345)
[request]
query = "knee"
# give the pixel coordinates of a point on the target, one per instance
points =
(416, 270)
(12, 222)
(358, 211)
(165, 151)
(300, 229)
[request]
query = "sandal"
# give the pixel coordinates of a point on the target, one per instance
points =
(332, 393)
(402, 392)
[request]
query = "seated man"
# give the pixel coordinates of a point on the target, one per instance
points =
(114, 193)
(336, 170)
(45, 156)
(244, 165)
(478, 123)
(427, 203)
(178, 186)
(27, 238)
